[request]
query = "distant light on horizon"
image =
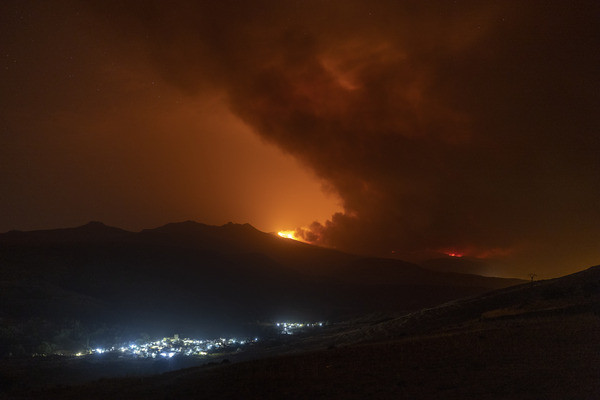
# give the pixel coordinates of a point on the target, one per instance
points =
(289, 328)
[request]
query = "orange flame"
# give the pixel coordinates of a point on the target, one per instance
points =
(288, 235)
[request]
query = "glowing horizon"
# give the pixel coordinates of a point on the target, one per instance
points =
(289, 235)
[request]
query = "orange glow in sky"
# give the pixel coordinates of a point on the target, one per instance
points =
(187, 111)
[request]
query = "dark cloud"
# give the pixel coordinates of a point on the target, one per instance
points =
(461, 126)
(458, 126)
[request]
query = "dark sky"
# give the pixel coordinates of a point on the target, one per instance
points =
(403, 128)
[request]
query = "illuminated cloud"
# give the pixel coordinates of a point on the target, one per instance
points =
(447, 125)
(444, 127)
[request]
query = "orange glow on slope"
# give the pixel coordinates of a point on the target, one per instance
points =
(288, 235)
(454, 255)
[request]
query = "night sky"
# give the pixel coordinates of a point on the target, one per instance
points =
(394, 128)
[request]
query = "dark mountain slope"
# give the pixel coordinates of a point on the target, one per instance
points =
(93, 231)
(538, 341)
(464, 265)
(235, 238)
(190, 277)
(571, 294)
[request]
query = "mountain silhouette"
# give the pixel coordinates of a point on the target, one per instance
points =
(192, 277)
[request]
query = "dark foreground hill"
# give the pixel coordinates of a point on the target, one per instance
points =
(65, 289)
(538, 341)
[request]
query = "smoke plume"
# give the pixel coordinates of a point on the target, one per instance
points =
(463, 127)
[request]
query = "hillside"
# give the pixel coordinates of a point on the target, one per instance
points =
(525, 342)
(197, 279)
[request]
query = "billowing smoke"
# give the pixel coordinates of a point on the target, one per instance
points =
(466, 127)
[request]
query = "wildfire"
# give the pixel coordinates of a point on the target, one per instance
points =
(454, 255)
(288, 235)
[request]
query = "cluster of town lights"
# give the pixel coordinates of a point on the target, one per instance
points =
(289, 328)
(171, 346)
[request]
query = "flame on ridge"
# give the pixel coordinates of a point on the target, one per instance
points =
(288, 235)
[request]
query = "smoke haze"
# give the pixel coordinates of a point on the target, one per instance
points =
(443, 127)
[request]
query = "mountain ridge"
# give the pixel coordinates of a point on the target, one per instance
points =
(193, 277)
